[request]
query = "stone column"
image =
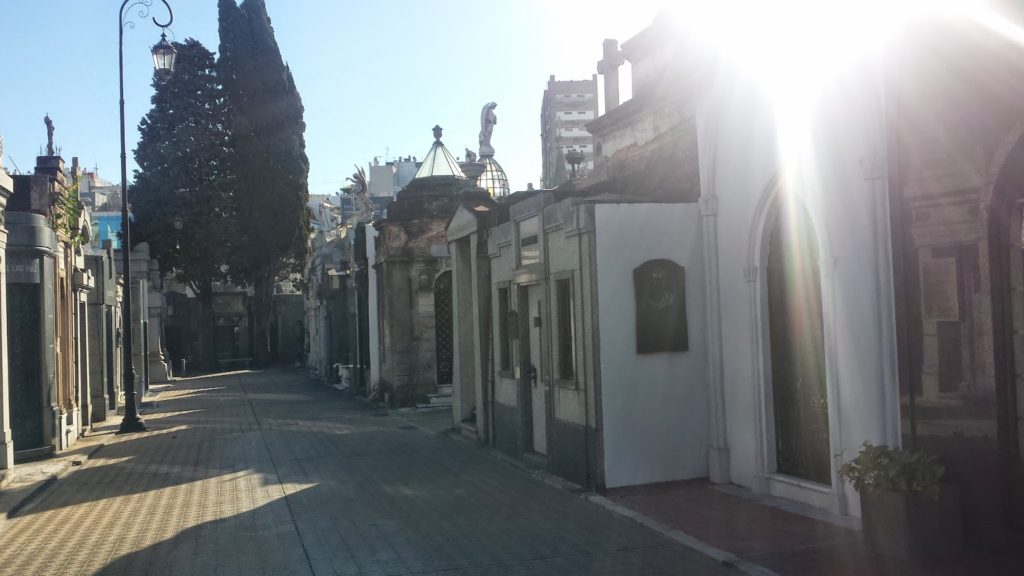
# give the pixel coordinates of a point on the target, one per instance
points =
(156, 309)
(480, 263)
(6, 440)
(98, 335)
(83, 283)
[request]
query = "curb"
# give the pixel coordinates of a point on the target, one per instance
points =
(680, 537)
(67, 465)
(32, 497)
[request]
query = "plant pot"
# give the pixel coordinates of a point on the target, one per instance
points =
(910, 525)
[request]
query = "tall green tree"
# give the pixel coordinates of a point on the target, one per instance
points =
(270, 163)
(184, 175)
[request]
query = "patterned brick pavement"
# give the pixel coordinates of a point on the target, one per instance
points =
(269, 473)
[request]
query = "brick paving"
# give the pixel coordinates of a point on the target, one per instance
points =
(269, 473)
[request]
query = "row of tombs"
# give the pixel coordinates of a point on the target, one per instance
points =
(701, 305)
(61, 307)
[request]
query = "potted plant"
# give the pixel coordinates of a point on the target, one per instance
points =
(906, 511)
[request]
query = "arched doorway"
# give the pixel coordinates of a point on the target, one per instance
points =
(797, 392)
(443, 328)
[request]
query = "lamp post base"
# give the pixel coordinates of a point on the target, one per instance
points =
(130, 425)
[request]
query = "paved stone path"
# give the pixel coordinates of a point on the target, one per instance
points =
(269, 473)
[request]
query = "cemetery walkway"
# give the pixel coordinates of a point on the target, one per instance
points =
(270, 473)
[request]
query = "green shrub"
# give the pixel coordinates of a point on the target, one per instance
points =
(894, 470)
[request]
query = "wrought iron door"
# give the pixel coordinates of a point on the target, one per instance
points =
(444, 344)
(26, 358)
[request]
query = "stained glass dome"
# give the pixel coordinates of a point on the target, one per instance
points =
(493, 178)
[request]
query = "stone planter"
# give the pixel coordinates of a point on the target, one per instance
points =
(912, 525)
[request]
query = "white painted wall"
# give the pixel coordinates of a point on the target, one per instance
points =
(846, 199)
(655, 406)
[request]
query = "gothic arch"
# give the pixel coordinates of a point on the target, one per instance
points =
(1011, 140)
(764, 220)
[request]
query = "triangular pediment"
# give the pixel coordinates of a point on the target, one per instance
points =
(466, 220)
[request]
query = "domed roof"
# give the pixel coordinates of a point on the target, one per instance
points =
(493, 178)
(439, 161)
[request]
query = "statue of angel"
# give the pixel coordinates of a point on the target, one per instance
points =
(487, 121)
(359, 191)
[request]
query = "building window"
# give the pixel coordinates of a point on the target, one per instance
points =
(504, 338)
(566, 329)
(529, 241)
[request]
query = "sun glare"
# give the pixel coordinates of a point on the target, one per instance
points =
(794, 49)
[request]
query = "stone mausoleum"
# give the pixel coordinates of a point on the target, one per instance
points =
(414, 279)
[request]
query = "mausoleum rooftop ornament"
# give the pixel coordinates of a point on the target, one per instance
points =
(493, 178)
(439, 162)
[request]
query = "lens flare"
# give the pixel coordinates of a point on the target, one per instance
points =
(796, 49)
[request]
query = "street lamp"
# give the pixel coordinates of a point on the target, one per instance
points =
(163, 60)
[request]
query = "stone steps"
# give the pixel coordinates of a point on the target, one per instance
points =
(439, 399)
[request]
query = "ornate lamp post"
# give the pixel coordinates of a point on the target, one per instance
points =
(163, 60)
(574, 157)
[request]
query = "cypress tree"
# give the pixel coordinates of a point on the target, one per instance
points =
(270, 164)
(184, 174)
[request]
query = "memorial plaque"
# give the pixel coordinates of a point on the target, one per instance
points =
(22, 270)
(229, 305)
(660, 289)
(940, 290)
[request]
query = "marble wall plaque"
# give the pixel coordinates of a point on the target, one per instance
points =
(22, 270)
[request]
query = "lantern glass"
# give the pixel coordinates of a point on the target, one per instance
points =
(164, 55)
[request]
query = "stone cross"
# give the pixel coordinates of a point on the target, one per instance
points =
(609, 68)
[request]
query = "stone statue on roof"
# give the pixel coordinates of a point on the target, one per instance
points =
(49, 135)
(360, 199)
(470, 155)
(487, 122)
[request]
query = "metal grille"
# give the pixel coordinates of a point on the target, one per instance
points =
(443, 327)
(27, 425)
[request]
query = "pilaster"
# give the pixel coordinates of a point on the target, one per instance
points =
(718, 450)
(6, 439)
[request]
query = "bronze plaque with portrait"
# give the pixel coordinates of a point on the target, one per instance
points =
(660, 288)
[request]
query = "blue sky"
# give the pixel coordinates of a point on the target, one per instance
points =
(375, 76)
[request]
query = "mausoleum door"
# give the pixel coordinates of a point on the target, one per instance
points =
(533, 367)
(26, 358)
(444, 341)
(799, 398)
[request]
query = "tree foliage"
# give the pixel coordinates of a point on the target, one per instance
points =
(269, 151)
(184, 173)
